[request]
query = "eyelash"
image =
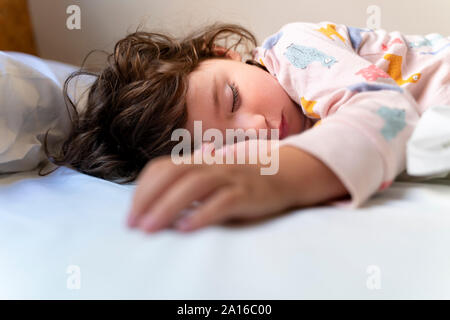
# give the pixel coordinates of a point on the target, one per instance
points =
(236, 98)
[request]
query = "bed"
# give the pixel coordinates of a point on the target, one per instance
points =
(68, 224)
(63, 236)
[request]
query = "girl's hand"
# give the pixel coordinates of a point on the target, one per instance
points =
(224, 191)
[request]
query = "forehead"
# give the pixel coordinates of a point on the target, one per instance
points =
(201, 78)
(201, 82)
(205, 72)
(207, 66)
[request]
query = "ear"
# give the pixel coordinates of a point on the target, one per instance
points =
(230, 54)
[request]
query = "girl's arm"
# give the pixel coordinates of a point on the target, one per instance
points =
(307, 179)
(365, 116)
(228, 191)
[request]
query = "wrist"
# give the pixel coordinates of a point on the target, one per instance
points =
(304, 179)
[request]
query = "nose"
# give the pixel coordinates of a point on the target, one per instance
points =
(258, 122)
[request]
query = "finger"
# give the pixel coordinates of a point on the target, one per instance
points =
(154, 180)
(241, 152)
(193, 186)
(225, 152)
(221, 206)
(205, 148)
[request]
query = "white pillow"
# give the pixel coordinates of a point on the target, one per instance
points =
(428, 149)
(31, 102)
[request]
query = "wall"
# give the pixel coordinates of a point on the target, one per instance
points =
(103, 22)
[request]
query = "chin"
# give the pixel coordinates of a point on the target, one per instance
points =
(296, 120)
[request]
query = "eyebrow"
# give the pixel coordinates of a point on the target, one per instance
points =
(215, 97)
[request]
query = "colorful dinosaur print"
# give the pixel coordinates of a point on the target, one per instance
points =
(385, 185)
(308, 107)
(364, 86)
(421, 43)
(372, 73)
(355, 36)
(394, 121)
(386, 47)
(301, 56)
(428, 40)
(329, 31)
(395, 70)
(271, 41)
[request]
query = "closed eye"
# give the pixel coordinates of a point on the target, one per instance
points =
(236, 97)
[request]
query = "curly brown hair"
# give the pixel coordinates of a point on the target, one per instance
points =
(137, 100)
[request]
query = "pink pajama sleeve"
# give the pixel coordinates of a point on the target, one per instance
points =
(365, 117)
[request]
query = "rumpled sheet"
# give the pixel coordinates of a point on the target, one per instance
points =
(67, 224)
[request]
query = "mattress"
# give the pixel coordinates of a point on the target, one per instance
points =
(63, 236)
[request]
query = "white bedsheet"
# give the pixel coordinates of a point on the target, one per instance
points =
(50, 223)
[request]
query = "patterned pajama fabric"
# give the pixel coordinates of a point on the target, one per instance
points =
(365, 89)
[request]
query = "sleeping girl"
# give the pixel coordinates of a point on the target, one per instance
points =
(345, 101)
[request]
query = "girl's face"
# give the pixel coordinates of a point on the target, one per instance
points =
(260, 101)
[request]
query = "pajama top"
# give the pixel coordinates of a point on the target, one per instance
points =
(365, 89)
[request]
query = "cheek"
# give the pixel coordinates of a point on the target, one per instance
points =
(242, 120)
(271, 95)
(273, 102)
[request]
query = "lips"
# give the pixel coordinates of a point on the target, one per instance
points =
(283, 128)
